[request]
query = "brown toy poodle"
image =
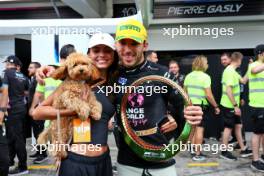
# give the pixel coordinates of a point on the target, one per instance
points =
(75, 94)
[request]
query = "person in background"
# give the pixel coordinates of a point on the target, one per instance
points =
(174, 68)
(198, 86)
(217, 126)
(225, 59)
(37, 126)
(230, 102)
(64, 53)
(179, 79)
(43, 91)
(4, 155)
(256, 103)
(15, 87)
(19, 66)
(32, 68)
(152, 56)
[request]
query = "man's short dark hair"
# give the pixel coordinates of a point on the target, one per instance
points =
(149, 52)
(226, 54)
(259, 49)
(173, 62)
(66, 50)
(36, 64)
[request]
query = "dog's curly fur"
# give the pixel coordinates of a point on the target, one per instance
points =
(75, 94)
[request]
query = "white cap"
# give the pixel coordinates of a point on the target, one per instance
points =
(102, 39)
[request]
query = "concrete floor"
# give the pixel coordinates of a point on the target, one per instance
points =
(184, 164)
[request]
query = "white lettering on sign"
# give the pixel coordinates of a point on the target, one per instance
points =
(229, 8)
(82, 129)
(135, 113)
(203, 9)
(188, 10)
(135, 110)
(135, 116)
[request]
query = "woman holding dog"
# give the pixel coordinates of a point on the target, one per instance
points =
(91, 159)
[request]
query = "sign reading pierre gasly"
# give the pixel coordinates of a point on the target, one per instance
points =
(206, 8)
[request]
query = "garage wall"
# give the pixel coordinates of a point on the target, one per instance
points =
(7, 47)
(245, 35)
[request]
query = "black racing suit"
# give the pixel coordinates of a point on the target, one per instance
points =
(17, 84)
(145, 111)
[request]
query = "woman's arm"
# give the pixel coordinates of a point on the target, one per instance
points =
(46, 112)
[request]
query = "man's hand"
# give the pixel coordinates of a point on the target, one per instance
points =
(2, 115)
(43, 72)
(217, 110)
(169, 126)
(31, 111)
(111, 124)
(237, 111)
(193, 114)
(242, 102)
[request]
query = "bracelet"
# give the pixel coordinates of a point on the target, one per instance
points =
(235, 105)
(2, 109)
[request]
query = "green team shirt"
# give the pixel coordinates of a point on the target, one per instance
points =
(230, 78)
(50, 85)
(47, 89)
(256, 86)
(195, 83)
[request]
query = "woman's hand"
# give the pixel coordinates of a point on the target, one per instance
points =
(43, 72)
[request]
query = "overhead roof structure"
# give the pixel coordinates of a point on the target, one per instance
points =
(87, 8)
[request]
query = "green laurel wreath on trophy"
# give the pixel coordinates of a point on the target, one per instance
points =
(146, 150)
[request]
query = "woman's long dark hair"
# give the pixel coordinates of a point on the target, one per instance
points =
(113, 73)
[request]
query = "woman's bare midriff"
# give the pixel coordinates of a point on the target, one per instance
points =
(90, 150)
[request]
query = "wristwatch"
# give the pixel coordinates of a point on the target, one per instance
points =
(235, 105)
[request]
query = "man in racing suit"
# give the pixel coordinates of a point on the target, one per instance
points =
(146, 107)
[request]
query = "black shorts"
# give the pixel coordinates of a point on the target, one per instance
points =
(257, 115)
(230, 119)
(206, 116)
(79, 165)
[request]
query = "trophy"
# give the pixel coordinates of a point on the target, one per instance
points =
(144, 149)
